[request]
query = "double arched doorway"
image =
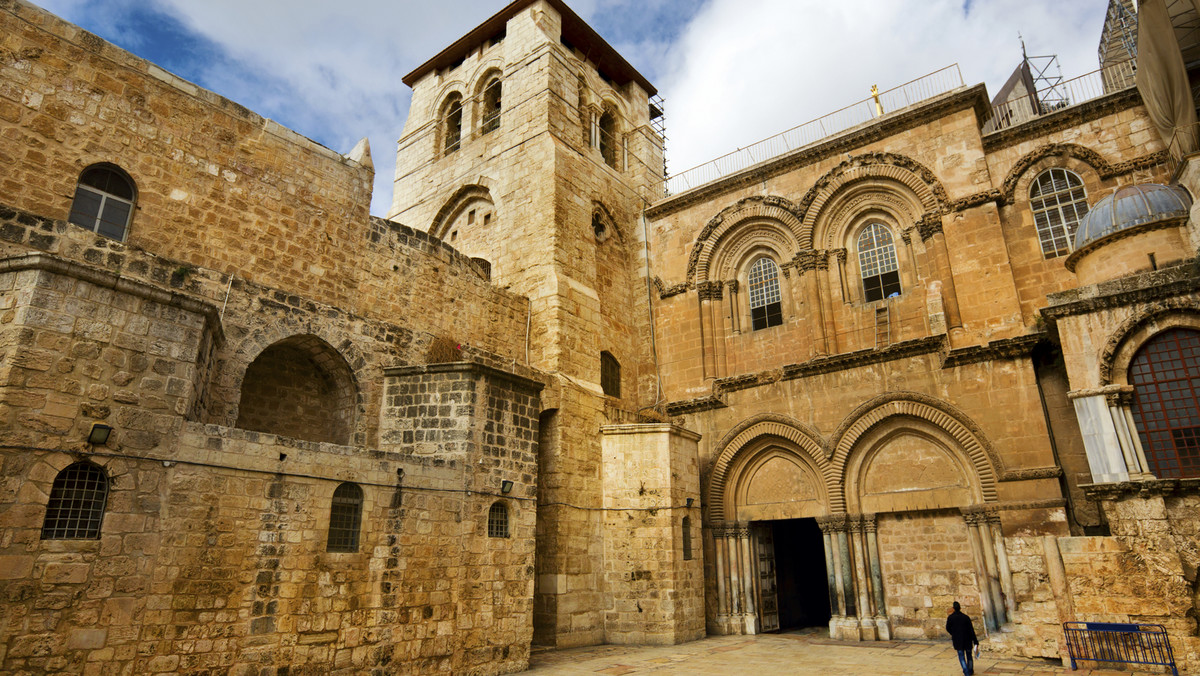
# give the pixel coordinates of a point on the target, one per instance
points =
(872, 532)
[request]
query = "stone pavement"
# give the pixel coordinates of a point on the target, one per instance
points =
(793, 653)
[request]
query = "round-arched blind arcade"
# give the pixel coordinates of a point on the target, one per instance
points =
(1165, 374)
(765, 308)
(877, 263)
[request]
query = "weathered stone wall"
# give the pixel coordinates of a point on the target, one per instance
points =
(927, 566)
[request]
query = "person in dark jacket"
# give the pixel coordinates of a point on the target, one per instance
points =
(962, 634)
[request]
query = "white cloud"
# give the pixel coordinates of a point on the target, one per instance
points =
(746, 69)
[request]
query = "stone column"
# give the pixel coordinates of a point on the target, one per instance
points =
(721, 562)
(828, 327)
(987, 599)
(883, 628)
(806, 266)
(750, 616)
(707, 328)
(735, 317)
(930, 229)
(837, 606)
(1114, 451)
(862, 586)
(1006, 581)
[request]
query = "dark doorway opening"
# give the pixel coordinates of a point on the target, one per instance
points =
(800, 574)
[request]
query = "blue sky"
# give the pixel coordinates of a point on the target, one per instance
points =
(731, 71)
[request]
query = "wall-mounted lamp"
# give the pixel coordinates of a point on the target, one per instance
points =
(506, 487)
(689, 502)
(98, 436)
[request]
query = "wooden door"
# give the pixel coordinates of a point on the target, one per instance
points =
(768, 599)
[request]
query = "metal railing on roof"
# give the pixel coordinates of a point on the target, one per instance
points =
(1093, 85)
(923, 88)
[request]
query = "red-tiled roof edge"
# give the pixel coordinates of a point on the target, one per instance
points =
(574, 29)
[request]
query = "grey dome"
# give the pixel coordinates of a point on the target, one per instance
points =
(1131, 206)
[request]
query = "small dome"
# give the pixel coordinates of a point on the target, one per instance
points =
(1131, 206)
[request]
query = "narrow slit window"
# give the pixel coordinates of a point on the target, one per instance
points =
(610, 374)
(765, 308)
(687, 538)
(345, 518)
(497, 524)
(104, 201)
(1059, 202)
(877, 263)
(76, 506)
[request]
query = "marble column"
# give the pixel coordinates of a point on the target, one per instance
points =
(883, 628)
(862, 586)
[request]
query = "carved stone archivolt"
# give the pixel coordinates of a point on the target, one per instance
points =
(1186, 312)
(750, 209)
(463, 196)
(1086, 155)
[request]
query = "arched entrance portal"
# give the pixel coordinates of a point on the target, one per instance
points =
(873, 532)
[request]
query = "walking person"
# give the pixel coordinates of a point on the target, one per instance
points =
(962, 634)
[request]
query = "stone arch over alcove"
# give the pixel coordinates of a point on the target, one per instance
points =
(462, 198)
(748, 454)
(745, 213)
(300, 387)
(920, 416)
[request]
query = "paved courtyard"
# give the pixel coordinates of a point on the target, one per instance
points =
(793, 653)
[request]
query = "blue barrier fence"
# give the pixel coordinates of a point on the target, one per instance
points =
(1120, 643)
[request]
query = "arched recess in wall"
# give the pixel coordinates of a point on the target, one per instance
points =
(488, 99)
(1132, 333)
(906, 186)
(904, 450)
(472, 202)
(754, 221)
(297, 386)
(769, 467)
(300, 387)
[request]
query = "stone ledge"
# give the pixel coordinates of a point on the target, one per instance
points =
(1176, 280)
(1061, 119)
(1141, 489)
(1005, 348)
(527, 381)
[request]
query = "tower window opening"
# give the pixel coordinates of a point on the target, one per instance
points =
(608, 138)
(491, 107)
(453, 126)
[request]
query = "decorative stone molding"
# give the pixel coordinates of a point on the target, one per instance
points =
(668, 291)
(1007, 348)
(1027, 473)
(1141, 489)
(833, 523)
(732, 285)
(709, 290)
(839, 254)
(770, 207)
(687, 406)
(1086, 155)
(738, 439)
(820, 365)
(1148, 287)
(1048, 503)
(929, 225)
(934, 411)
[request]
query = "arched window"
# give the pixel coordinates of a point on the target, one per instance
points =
(608, 139)
(1165, 374)
(491, 107)
(76, 505)
(763, 283)
(687, 538)
(345, 518)
(498, 520)
(610, 375)
(453, 124)
(877, 263)
(1059, 202)
(104, 199)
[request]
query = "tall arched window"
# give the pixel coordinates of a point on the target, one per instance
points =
(491, 107)
(452, 113)
(104, 200)
(345, 518)
(877, 263)
(497, 525)
(1059, 202)
(1165, 374)
(76, 506)
(608, 139)
(765, 309)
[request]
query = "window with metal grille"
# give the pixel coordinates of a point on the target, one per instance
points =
(345, 518)
(453, 131)
(765, 309)
(1059, 202)
(877, 263)
(76, 506)
(687, 538)
(104, 199)
(610, 375)
(491, 107)
(498, 520)
(1165, 374)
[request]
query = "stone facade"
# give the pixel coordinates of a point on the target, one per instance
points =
(563, 407)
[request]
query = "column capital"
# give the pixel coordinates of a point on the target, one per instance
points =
(832, 523)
